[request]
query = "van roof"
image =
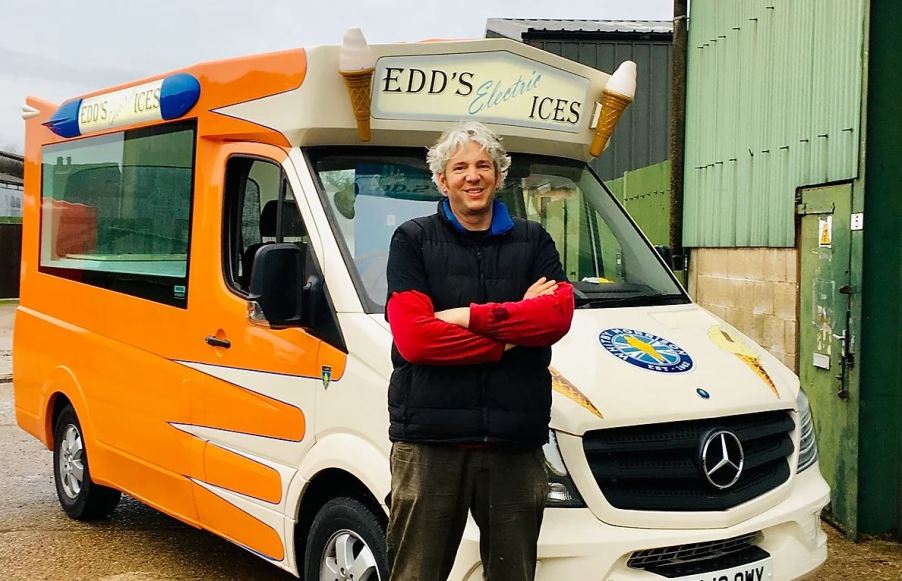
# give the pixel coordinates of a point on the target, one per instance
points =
(537, 101)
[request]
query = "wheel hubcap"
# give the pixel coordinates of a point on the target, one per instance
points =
(71, 467)
(347, 557)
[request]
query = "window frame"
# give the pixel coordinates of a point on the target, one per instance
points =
(230, 229)
(111, 280)
(313, 154)
(229, 235)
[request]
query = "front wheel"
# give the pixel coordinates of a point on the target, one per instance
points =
(79, 496)
(346, 543)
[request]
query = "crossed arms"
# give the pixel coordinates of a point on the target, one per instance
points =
(479, 333)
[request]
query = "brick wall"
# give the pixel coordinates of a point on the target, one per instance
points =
(754, 289)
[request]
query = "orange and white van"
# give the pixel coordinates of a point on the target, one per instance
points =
(201, 321)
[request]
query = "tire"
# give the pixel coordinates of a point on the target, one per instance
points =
(348, 523)
(79, 496)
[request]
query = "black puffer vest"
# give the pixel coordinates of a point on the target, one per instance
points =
(505, 402)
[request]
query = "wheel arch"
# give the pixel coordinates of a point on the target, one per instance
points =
(62, 388)
(339, 465)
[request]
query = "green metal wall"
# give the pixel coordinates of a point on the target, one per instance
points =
(880, 491)
(645, 193)
(773, 103)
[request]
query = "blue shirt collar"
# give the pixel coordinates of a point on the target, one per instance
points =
(501, 218)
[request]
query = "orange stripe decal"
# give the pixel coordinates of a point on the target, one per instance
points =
(223, 518)
(233, 408)
(237, 473)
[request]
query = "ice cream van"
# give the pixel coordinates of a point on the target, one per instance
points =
(201, 319)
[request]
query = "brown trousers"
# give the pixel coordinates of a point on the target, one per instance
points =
(433, 488)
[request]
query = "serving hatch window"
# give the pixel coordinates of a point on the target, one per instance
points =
(371, 192)
(116, 211)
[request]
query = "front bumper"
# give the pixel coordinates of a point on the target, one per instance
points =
(574, 544)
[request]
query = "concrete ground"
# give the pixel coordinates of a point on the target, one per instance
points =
(7, 315)
(37, 541)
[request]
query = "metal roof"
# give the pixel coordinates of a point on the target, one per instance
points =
(10, 180)
(11, 166)
(515, 28)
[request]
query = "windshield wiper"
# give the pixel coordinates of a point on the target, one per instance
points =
(630, 301)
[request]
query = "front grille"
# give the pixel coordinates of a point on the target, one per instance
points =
(699, 558)
(658, 466)
(664, 556)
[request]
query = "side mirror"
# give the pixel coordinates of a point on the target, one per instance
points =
(276, 284)
(666, 255)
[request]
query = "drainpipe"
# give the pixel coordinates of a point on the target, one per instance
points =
(678, 132)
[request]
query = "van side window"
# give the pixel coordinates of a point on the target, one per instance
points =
(116, 211)
(260, 209)
(257, 194)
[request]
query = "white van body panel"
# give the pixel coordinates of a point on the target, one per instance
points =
(627, 394)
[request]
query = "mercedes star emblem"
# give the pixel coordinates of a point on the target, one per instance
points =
(722, 459)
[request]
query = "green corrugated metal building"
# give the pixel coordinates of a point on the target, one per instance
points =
(793, 142)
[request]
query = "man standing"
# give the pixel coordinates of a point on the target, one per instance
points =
(475, 301)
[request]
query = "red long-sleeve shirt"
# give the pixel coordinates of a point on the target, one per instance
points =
(537, 322)
(423, 339)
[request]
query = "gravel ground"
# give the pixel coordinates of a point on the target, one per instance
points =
(140, 544)
(869, 560)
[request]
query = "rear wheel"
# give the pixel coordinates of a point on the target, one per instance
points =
(346, 543)
(79, 496)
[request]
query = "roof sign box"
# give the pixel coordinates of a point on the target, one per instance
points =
(494, 87)
(163, 99)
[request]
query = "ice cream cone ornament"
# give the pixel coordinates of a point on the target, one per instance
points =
(616, 96)
(356, 64)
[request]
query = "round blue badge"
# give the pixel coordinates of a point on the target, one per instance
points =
(645, 350)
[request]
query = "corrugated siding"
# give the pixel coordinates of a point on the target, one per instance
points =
(645, 193)
(642, 136)
(773, 103)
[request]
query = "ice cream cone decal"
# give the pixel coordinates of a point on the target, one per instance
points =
(560, 384)
(616, 96)
(356, 64)
(745, 352)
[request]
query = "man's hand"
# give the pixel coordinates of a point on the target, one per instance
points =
(541, 287)
(459, 316)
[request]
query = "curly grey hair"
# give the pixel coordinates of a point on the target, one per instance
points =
(457, 136)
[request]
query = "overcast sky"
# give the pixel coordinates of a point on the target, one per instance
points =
(58, 49)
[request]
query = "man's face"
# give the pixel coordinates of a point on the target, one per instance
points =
(470, 181)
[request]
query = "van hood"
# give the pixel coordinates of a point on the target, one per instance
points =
(631, 366)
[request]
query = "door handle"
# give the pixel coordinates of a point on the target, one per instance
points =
(846, 360)
(842, 343)
(217, 342)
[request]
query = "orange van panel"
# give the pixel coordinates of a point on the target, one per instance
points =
(232, 408)
(234, 472)
(124, 412)
(233, 523)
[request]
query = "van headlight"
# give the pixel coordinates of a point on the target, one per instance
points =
(807, 441)
(561, 490)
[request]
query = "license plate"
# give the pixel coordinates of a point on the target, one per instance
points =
(757, 571)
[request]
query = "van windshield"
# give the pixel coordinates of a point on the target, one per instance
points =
(370, 192)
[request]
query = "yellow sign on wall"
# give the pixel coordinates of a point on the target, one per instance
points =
(825, 232)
